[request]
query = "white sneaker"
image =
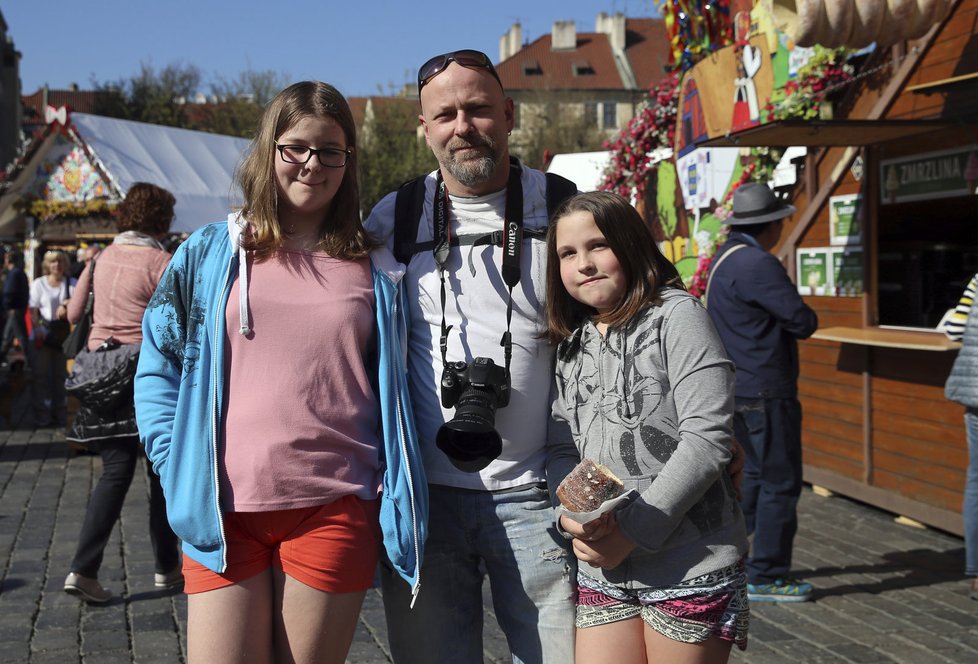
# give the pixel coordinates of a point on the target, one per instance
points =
(170, 580)
(88, 589)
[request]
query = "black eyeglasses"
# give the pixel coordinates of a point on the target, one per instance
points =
(301, 154)
(468, 58)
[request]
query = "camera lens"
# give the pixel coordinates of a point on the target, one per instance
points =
(470, 439)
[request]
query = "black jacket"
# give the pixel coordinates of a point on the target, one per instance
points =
(760, 317)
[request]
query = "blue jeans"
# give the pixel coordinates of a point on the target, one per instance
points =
(511, 537)
(770, 431)
(970, 508)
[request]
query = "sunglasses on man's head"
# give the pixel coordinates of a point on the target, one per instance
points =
(468, 58)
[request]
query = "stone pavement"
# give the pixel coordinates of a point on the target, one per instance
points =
(885, 592)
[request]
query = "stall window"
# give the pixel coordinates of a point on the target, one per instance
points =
(927, 252)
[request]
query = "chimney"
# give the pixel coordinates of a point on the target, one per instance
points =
(564, 36)
(614, 27)
(511, 42)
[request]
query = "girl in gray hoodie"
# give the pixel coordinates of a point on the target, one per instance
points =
(645, 388)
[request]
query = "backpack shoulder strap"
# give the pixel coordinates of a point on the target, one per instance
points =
(408, 207)
(713, 271)
(559, 189)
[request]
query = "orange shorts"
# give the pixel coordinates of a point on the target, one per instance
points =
(333, 548)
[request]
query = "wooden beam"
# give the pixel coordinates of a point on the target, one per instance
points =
(930, 88)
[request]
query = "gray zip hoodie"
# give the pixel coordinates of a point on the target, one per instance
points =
(653, 401)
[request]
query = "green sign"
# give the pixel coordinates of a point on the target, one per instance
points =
(813, 271)
(847, 272)
(846, 214)
(930, 175)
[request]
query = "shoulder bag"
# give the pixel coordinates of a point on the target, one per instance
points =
(78, 338)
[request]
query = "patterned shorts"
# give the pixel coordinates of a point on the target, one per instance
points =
(693, 611)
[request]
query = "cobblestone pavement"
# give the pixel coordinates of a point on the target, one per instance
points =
(885, 592)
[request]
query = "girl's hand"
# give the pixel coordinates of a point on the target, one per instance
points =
(592, 530)
(608, 552)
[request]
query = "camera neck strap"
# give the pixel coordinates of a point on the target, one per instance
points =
(512, 250)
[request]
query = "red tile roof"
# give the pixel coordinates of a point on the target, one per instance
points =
(556, 69)
(81, 101)
(358, 107)
(646, 48)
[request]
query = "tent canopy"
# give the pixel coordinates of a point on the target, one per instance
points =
(197, 167)
(585, 169)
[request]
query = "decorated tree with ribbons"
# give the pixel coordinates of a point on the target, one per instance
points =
(695, 29)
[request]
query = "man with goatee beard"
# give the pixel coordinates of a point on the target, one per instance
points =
(475, 274)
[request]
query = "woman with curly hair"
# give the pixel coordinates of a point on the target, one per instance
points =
(124, 275)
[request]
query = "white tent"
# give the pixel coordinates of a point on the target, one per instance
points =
(195, 166)
(585, 169)
(89, 157)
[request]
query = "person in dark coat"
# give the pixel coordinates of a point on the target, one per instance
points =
(760, 317)
(16, 294)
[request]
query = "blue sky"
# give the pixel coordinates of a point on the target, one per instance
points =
(363, 47)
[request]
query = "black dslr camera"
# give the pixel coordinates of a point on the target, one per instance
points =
(475, 391)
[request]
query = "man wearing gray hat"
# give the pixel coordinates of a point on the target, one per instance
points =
(760, 317)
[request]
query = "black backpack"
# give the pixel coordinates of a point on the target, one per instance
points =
(409, 205)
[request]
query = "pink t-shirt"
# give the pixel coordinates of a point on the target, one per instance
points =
(125, 278)
(301, 425)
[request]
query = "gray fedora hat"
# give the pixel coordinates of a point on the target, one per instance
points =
(755, 203)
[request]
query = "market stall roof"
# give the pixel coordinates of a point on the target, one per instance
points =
(197, 167)
(826, 133)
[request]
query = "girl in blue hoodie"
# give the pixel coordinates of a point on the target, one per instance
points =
(271, 397)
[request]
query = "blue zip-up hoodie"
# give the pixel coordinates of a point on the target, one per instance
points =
(180, 397)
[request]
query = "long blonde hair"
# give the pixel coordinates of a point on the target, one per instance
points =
(343, 236)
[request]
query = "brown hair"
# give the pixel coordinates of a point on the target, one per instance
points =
(646, 270)
(147, 209)
(343, 236)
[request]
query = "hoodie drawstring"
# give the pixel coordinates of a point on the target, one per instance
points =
(245, 326)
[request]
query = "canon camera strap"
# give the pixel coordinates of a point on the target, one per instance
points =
(512, 251)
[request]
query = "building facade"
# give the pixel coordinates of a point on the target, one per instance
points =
(10, 113)
(573, 90)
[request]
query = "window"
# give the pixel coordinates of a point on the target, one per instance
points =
(609, 118)
(927, 239)
(532, 68)
(582, 69)
(926, 255)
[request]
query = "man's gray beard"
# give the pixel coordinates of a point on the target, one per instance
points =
(474, 171)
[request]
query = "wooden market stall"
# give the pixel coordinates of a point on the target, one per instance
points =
(883, 243)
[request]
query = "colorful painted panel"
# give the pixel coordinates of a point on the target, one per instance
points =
(66, 174)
